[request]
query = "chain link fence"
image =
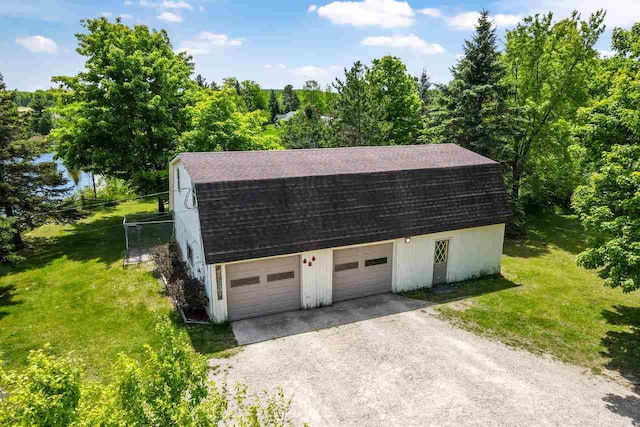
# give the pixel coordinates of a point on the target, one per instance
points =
(144, 231)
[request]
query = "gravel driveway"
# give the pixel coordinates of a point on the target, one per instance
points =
(386, 360)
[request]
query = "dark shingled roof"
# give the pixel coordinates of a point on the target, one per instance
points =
(264, 203)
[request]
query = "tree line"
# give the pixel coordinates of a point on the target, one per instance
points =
(561, 120)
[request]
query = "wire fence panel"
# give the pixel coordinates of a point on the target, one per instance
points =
(143, 232)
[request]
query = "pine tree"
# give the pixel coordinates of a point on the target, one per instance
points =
(424, 86)
(290, 99)
(357, 118)
(28, 189)
(473, 105)
(274, 105)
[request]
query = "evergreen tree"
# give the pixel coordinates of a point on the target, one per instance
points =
(474, 102)
(424, 87)
(274, 105)
(41, 119)
(201, 81)
(357, 118)
(290, 100)
(28, 189)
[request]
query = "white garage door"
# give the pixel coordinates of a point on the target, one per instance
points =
(256, 288)
(362, 271)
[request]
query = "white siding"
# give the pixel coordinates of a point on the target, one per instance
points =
(316, 280)
(473, 252)
(187, 224)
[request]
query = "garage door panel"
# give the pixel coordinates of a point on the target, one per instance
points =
(372, 275)
(278, 288)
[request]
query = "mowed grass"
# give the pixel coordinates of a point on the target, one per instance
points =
(546, 304)
(74, 294)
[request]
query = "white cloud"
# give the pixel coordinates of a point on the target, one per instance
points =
(176, 5)
(170, 17)
(268, 66)
(106, 14)
(459, 56)
(411, 41)
(506, 20)
(206, 41)
(128, 3)
(201, 8)
(314, 72)
(468, 20)
(38, 44)
(125, 16)
(312, 8)
(428, 11)
(282, 66)
(379, 13)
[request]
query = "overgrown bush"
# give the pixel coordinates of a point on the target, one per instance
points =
(168, 387)
(47, 393)
(182, 288)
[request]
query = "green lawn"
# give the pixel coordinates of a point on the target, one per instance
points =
(74, 293)
(272, 130)
(546, 304)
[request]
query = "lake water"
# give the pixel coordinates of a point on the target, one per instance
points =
(85, 178)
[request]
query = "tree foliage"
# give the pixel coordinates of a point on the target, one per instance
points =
(125, 111)
(356, 118)
(475, 113)
(305, 131)
(274, 105)
(609, 207)
(217, 124)
(394, 90)
(29, 189)
(549, 65)
(168, 387)
(290, 100)
(252, 96)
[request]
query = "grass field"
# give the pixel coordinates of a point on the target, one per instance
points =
(74, 294)
(546, 304)
(272, 130)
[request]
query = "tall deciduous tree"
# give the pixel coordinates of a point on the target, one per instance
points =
(125, 111)
(476, 115)
(313, 98)
(28, 189)
(251, 93)
(609, 133)
(356, 118)
(395, 91)
(549, 65)
(290, 100)
(609, 207)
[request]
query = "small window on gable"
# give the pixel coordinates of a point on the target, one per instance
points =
(194, 199)
(189, 254)
(178, 178)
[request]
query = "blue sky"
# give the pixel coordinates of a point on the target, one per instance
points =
(273, 42)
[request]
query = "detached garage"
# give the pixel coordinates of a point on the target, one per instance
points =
(273, 231)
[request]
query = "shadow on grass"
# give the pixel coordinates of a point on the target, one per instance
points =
(101, 240)
(461, 290)
(7, 293)
(562, 231)
(623, 346)
(208, 340)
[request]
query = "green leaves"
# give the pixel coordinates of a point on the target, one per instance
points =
(126, 110)
(610, 205)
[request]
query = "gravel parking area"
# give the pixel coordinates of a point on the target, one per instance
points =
(387, 360)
